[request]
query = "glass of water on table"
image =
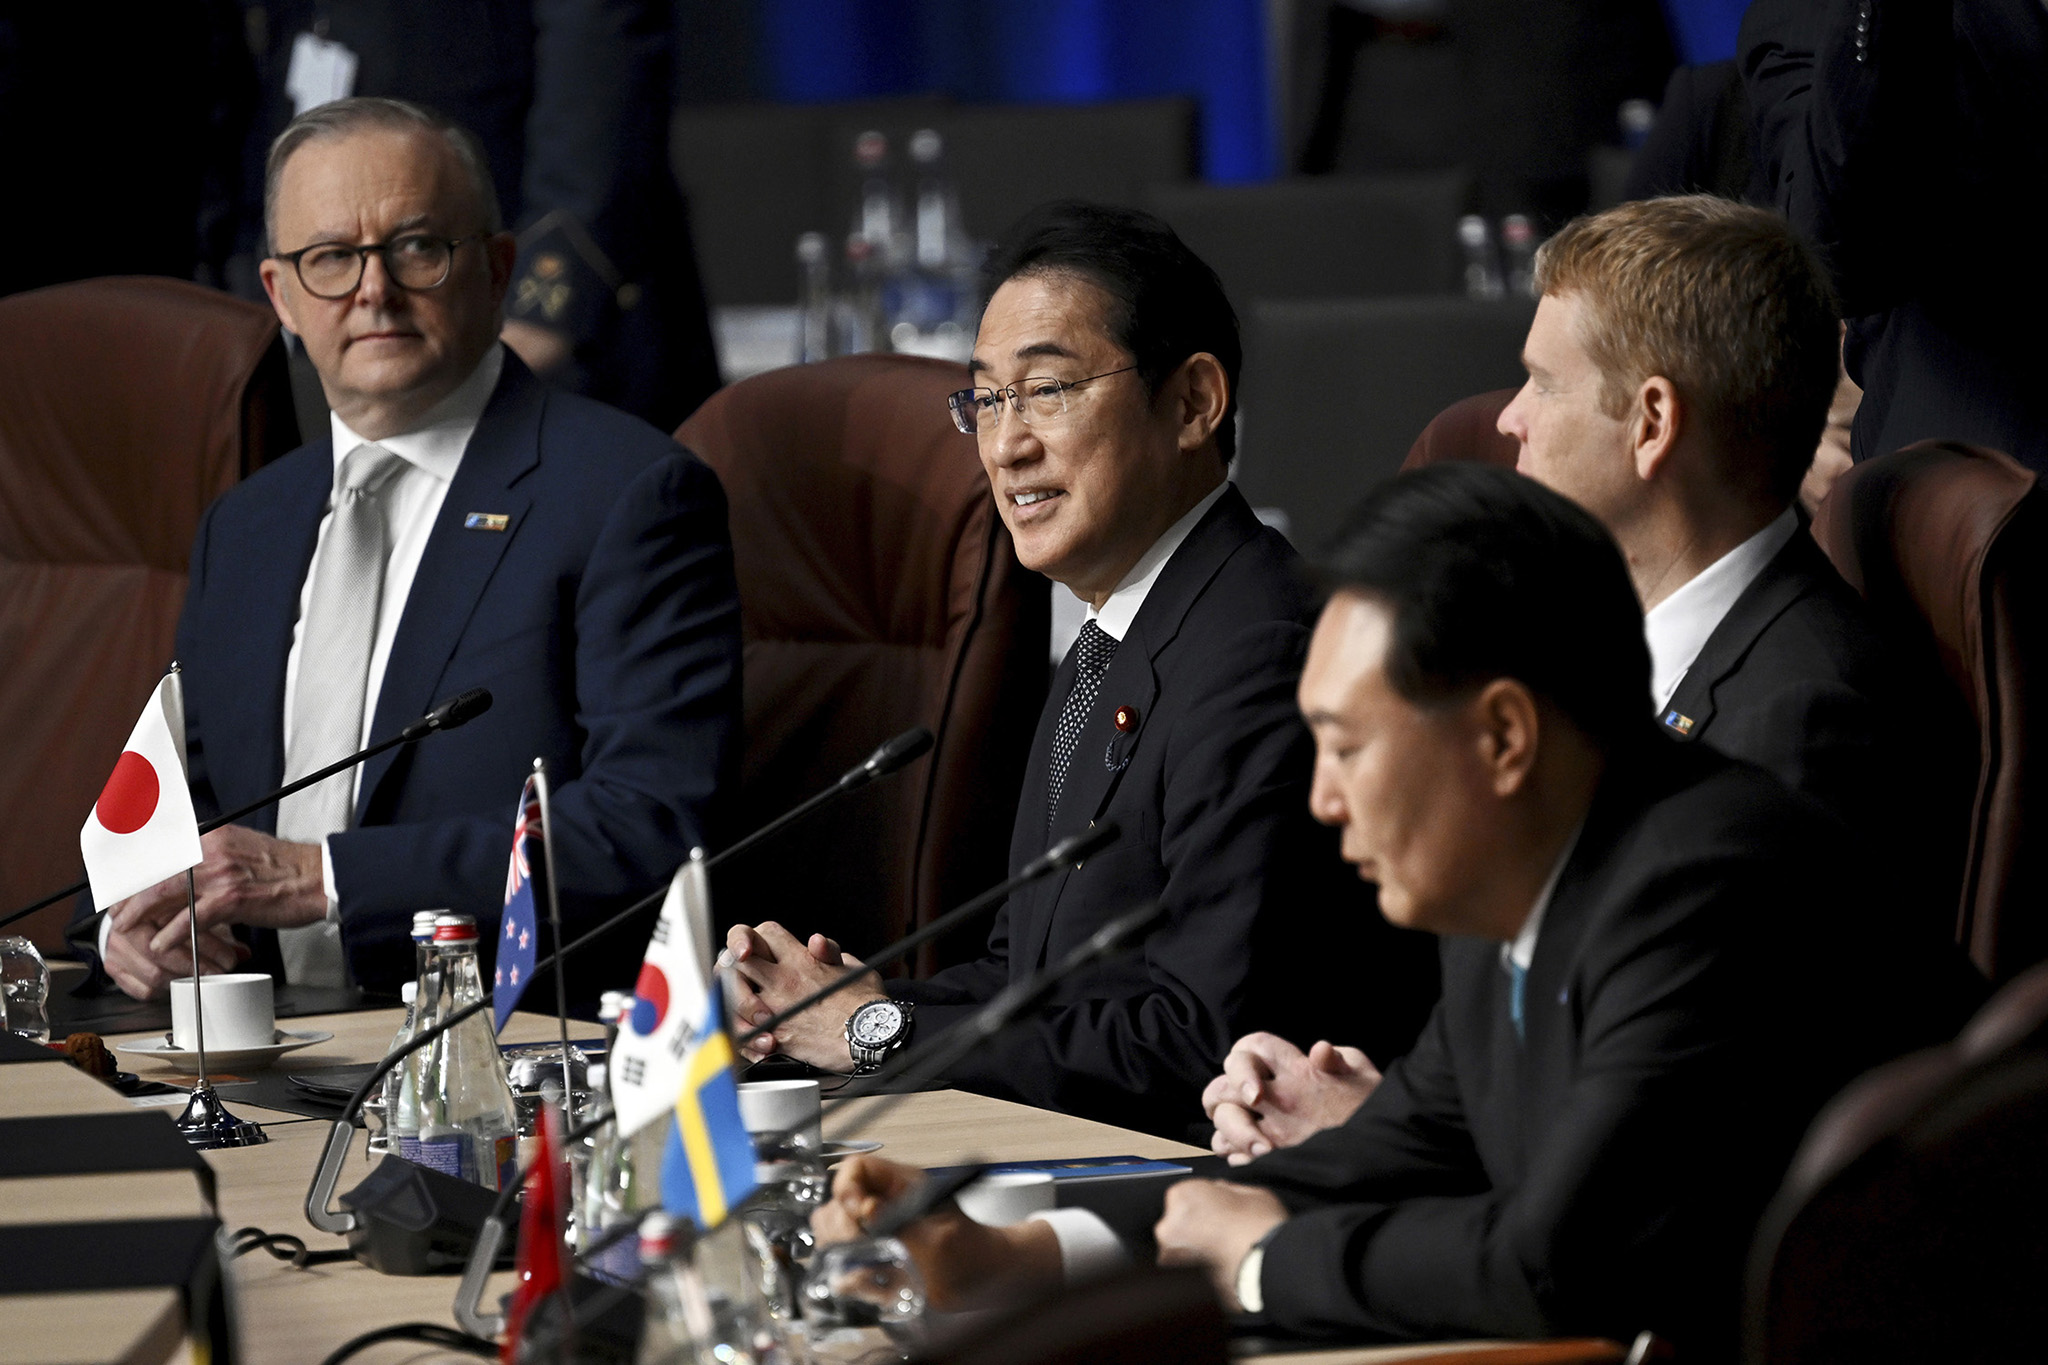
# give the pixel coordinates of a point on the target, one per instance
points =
(25, 988)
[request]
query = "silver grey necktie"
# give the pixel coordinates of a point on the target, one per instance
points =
(333, 678)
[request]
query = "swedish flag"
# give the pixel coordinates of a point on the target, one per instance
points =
(709, 1165)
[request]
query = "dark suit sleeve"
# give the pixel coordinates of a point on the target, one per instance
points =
(1141, 1036)
(1854, 107)
(1612, 1197)
(596, 143)
(656, 629)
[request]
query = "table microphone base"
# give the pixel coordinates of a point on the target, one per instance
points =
(207, 1124)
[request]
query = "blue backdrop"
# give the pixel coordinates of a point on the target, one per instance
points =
(1039, 51)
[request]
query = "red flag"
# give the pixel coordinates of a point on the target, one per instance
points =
(541, 1226)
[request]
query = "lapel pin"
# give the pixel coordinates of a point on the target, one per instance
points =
(486, 521)
(1681, 724)
(1126, 719)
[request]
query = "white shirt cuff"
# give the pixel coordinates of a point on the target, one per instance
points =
(327, 883)
(1088, 1248)
(106, 927)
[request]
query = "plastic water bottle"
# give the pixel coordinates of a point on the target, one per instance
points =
(612, 1193)
(1518, 245)
(1482, 268)
(401, 1096)
(469, 1125)
(815, 269)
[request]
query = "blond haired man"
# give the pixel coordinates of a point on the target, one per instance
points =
(1681, 365)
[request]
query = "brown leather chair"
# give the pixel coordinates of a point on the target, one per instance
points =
(878, 590)
(126, 406)
(1949, 543)
(1467, 430)
(1913, 1225)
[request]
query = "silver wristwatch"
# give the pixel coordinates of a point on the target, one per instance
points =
(875, 1030)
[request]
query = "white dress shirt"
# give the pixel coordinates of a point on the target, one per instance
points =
(1120, 608)
(411, 500)
(1678, 627)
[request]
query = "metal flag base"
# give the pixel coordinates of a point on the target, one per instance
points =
(207, 1124)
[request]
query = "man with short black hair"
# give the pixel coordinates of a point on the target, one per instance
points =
(1105, 377)
(1655, 968)
(1681, 366)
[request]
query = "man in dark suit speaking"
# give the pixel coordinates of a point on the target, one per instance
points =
(1106, 371)
(1656, 967)
(1681, 364)
(463, 527)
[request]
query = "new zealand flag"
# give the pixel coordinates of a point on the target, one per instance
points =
(518, 928)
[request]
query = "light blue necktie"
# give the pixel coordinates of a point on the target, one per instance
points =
(1518, 978)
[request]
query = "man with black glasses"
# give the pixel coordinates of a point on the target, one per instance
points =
(1106, 380)
(460, 526)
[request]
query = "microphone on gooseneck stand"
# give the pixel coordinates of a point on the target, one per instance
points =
(406, 1220)
(450, 714)
(905, 1073)
(1068, 852)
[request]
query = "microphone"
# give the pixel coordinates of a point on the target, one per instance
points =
(910, 1071)
(448, 715)
(1069, 852)
(896, 754)
(414, 1245)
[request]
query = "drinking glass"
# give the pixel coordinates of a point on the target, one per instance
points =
(25, 984)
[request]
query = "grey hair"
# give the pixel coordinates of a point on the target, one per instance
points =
(338, 118)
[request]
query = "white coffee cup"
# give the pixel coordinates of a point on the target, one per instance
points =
(240, 1012)
(1001, 1198)
(779, 1106)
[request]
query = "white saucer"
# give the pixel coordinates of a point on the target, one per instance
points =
(223, 1059)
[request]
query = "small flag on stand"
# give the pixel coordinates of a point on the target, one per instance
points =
(542, 1221)
(672, 1059)
(143, 829)
(518, 927)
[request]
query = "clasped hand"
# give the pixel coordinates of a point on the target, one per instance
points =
(1271, 1094)
(245, 878)
(772, 970)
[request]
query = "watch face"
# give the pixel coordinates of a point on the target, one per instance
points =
(877, 1022)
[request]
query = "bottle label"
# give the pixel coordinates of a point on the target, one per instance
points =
(618, 1263)
(506, 1149)
(443, 1154)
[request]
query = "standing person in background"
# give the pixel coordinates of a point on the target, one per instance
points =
(571, 101)
(1898, 136)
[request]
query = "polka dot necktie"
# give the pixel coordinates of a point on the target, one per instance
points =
(1092, 653)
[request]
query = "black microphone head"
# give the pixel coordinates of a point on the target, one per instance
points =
(460, 710)
(897, 753)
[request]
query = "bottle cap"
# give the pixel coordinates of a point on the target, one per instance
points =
(423, 922)
(612, 1004)
(655, 1237)
(409, 992)
(455, 929)
(926, 146)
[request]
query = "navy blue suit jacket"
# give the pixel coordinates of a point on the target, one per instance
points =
(604, 620)
(1266, 927)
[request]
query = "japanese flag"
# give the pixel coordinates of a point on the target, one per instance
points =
(142, 828)
(671, 1004)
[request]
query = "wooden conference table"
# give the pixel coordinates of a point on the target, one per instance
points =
(291, 1317)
